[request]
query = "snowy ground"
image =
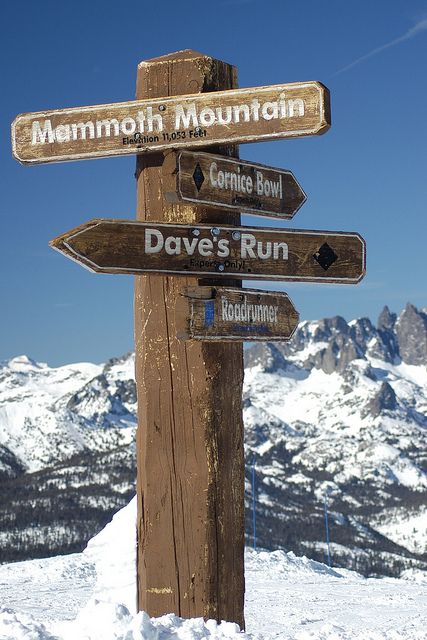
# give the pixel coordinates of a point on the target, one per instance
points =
(90, 596)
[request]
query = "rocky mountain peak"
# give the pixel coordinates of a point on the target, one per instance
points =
(327, 327)
(331, 344)
(386, 320)
(411, 333)
(384, 398)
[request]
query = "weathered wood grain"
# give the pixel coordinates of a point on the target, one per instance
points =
(204, 178)
(165, 122)
(190, 484)
(127, 246)
(225, 314)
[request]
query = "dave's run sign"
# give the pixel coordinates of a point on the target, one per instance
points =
(225, 314)
(204, 178)
(127, 246)
(222, 117)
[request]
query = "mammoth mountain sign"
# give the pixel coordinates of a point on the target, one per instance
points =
(204, 178)
(221, 117)
(127, 246)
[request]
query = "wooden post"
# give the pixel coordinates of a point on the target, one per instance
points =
(190, 479)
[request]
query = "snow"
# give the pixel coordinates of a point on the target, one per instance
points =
(415, 373)
(311, 349)
(119, 536)
(407, 529)
(91, 596)
(124, 367)
(389, 462)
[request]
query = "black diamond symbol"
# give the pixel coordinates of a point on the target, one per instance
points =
(325, 256)
(198, 177)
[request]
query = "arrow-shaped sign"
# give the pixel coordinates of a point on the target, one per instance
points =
(128, 246)
(218, 117)
(204, 178)
(226, 314)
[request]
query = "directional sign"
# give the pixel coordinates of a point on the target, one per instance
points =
(204, 178)
(225, 314)
(221, 117)
(128, 246)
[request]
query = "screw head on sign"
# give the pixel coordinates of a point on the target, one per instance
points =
(220, 267)
(215, 231)
(162, 107)
(195, 232)
(236, 235)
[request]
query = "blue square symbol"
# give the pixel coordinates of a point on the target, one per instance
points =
(209, 313)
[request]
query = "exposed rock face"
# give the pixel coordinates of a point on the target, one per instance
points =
(386, 320)
(9, 464)
(337, 355)
(386, 346)
(411, 333)
(383, 399)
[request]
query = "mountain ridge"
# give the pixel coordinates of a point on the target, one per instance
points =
(338, 413)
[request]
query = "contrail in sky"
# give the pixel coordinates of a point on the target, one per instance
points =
(420, 26)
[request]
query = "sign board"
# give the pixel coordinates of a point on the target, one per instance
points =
(133, 247)
(227, 314)
(204, 178)
(221, 117)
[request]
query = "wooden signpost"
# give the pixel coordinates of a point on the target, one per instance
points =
(221, 117)
(189, 332)
(228, 183)
(126, 246)
(227, 314)
(190, 454)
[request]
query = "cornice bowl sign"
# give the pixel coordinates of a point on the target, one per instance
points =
(230, 183)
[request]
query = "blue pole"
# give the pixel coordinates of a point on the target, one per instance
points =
(253, 502)
(327, 530)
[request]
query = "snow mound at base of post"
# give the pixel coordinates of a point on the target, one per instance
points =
(113, 552)
(109, 621)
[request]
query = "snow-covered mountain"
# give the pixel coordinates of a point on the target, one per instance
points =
(48, 415)
(67, 454)
(338, 413)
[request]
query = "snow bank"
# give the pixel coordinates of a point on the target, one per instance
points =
(280, 562)
(15, 626)
(109, 621)
(113, 552)
(415, 575)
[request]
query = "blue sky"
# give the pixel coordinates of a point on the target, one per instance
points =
(366, 174)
